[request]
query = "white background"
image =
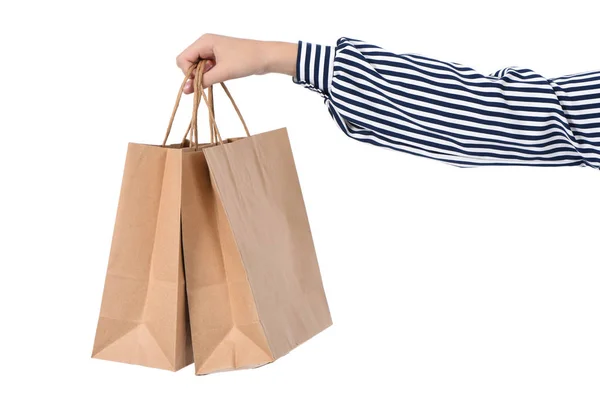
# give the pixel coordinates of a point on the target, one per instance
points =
(444, 283)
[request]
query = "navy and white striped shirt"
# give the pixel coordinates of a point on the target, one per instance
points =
(451, 113)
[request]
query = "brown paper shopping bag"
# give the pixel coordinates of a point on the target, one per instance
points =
(253, 284)
(253, 281)
(143, 317)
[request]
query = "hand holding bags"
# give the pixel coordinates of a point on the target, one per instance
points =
(231, 215)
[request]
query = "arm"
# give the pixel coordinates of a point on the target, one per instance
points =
(451, 113)
(435, 109)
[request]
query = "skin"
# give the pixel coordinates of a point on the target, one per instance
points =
(232, 58)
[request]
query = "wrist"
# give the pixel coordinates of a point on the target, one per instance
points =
(279, 57)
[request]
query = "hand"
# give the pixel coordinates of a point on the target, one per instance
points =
(232, 58)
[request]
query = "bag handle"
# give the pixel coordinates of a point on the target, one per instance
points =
(212, 107)
(199, 94)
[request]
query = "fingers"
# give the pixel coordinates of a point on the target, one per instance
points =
(189, 85)
(217, 74)
(200, 49)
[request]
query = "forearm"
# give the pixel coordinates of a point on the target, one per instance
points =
(279, 57)
(451, 113)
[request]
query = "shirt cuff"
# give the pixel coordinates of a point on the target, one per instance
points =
(314, 67)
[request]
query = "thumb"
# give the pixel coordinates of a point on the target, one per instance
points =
(217, 74)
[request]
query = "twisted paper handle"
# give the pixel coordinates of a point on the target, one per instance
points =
(199, 94)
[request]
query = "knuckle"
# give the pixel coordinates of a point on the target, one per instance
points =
(209, 38)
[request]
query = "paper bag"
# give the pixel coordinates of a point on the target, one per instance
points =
(223, 225)
(143, 317)
(253, 281)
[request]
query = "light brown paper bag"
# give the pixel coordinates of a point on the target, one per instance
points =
(253, 283)
(143, 317)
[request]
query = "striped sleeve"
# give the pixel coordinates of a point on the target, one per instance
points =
(449, 112)
(314, 67)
